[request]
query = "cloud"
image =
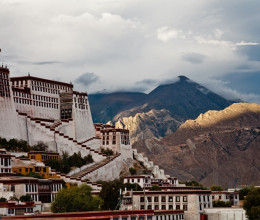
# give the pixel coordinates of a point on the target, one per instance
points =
(243, 43)
(87, 79)
(165, 34)
(129, 41)
(223, 89)
(194, 58)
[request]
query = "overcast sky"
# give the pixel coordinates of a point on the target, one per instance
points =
(135, 45)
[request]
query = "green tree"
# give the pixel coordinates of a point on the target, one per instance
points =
(25, 198)
(244, 191)
(216, 188)
(132, 171)
(133, 186)
(155, 188)
(110, 193)
(76, 199)
(2, 199)
(252, 204)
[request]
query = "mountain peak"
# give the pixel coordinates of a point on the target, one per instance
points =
(183, 78)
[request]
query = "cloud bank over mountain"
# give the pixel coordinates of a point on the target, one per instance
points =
(124, 42)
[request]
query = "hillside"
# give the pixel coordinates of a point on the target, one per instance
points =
(158, 113)
(219, 147)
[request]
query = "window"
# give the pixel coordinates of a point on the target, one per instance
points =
(163, 199)
(185, 207)
(178, 207)
(141, 199)
(177, 198)
(156, 207)
(163, 207)
(170, 207)
(142, 207)
(10, 211)
(170, 199)
(156, 199)
(184, 198)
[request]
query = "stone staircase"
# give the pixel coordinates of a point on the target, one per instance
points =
(84, 173)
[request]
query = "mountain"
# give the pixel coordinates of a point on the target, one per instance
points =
(104, 106)
(181, 100)
(155, 123)
(218, 147)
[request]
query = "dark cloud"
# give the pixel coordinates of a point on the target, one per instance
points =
(194, 58)
(87, 79)
(47, 62)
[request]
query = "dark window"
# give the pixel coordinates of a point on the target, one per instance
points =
(156, 199)
(178, 207)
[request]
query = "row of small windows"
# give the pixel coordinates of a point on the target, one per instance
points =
(42, 89)
(56, 187)
(4, 75)
(81, 106)
(4, 82)
(36, 97)
(50, 85)
(220, 197)
(5, 161)
(30, 187)
(125, 139)
(167, 217)
(105, 139)
(5, 170)
(36, 103)
(165, 207)
(204, 198)
(4, 88)
(80, 100)
(4, 94)
(204, 206)
(163, 198)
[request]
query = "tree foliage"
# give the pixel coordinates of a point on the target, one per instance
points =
(2, 199)
(155, 188)
(76, 199)
(64, 165)
(193, 183)
(216, 188)
(21, 145)
(107, 151)
(25, 198)
(219, 203)
(132, 171)
(252, 204)
(110, 192)
(244, 191)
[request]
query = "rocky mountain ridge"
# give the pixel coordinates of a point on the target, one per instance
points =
(171, 104)
(219, 147)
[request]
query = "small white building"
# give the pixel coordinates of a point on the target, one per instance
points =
(226, 196)
(147, 181)
(5, 162)
(193, 202)
(13, 208)
(224, 214)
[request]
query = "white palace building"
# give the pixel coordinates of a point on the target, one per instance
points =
(41, 110)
